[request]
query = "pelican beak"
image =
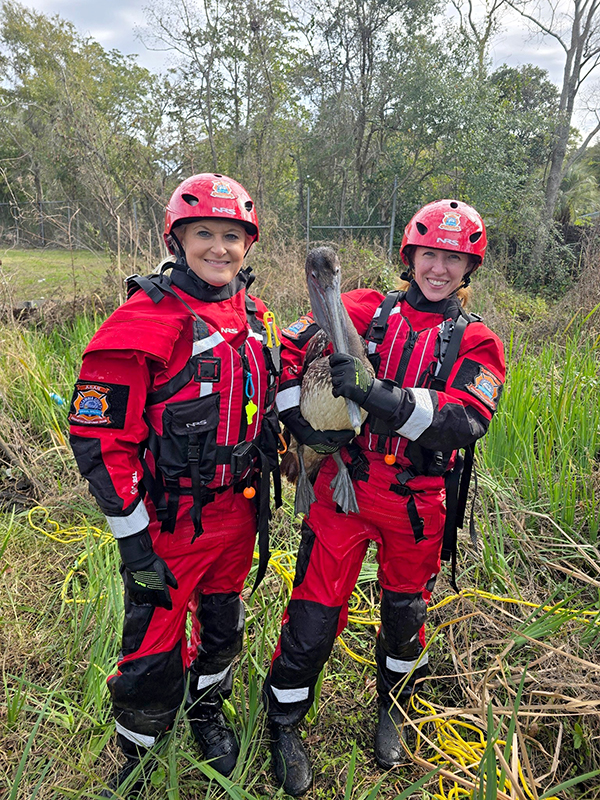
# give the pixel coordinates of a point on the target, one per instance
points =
(328, 312)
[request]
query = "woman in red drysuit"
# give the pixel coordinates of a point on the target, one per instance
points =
(172, 424)
(420, 413)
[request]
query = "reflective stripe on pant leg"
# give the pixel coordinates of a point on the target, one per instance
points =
(398, 650)
(138, 739)
(327, 567)
(147, 692)
(221, 618)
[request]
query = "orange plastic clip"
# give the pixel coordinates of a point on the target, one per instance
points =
(283, 445)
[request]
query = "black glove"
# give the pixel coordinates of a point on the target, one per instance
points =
(381, 398)
(322, 442)
(349, 378)
(145, 575)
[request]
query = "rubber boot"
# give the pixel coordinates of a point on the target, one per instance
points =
(290, 760)
(214, 736)
(389, 751)
(119, 786)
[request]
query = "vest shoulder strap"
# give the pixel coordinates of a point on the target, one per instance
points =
(147, 284)
(378, 325)
(451, 353)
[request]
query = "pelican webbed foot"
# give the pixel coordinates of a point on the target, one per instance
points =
(305, 494)
(343, 491)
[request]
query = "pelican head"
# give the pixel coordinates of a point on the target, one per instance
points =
(324, 289)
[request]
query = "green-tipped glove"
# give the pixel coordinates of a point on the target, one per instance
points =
(146, 576)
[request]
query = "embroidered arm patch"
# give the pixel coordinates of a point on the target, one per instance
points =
(301, 330)
(102, 405)
(479, 381)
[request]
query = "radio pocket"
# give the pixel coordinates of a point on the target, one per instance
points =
(189, 436)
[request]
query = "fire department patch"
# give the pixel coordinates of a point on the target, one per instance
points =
(223, 190)
(296, 329)
(451, 222)
(99, 404)
(485, 387)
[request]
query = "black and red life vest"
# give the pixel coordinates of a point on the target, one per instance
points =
(212, 425)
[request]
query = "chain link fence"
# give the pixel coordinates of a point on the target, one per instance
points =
(77, 225)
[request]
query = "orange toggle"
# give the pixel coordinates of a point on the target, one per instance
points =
(249, 492)
(389, 458)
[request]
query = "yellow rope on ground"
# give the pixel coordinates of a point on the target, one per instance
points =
(74, 534)
(581, 615)
(358, 615)
(284, 564)
(466, 752)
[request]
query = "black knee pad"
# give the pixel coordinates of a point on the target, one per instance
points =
(153, 684)
(402, 617)
(221, 618)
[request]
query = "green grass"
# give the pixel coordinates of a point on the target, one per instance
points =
(51, 274)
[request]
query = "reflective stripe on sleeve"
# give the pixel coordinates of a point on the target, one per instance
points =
(290, 695)
(137, 738)
(127, 526)
(288, 398)
(397, 665)
(202, 345)
(421, 417)
(210, 680)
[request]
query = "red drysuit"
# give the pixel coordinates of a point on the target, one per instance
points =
(171, 419)
(401, 506)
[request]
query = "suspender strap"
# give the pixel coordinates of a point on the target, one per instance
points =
(464, 484)
(403, 489)
(378, 325)
(451, 527)
(457, 492)
(460, 326)
(147, 285)
(416, 522)
(264, 517)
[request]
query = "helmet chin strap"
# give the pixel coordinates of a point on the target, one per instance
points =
(179, 251)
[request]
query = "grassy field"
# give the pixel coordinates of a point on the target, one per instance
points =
(511, 709)
(52, 274)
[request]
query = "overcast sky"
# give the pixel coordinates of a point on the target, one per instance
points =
(114, 22)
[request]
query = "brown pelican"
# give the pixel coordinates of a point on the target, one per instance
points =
(317, 404)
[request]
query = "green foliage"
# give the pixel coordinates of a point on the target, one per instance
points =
(83, 121)
(520, 306)
(545, 439)
(331, 97)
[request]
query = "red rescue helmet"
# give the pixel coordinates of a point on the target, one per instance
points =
(446, 225)
(209, 195)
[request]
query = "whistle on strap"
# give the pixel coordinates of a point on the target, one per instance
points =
(250, 408)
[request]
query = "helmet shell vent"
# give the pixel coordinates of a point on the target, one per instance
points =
(448, 225)
(210, 195)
